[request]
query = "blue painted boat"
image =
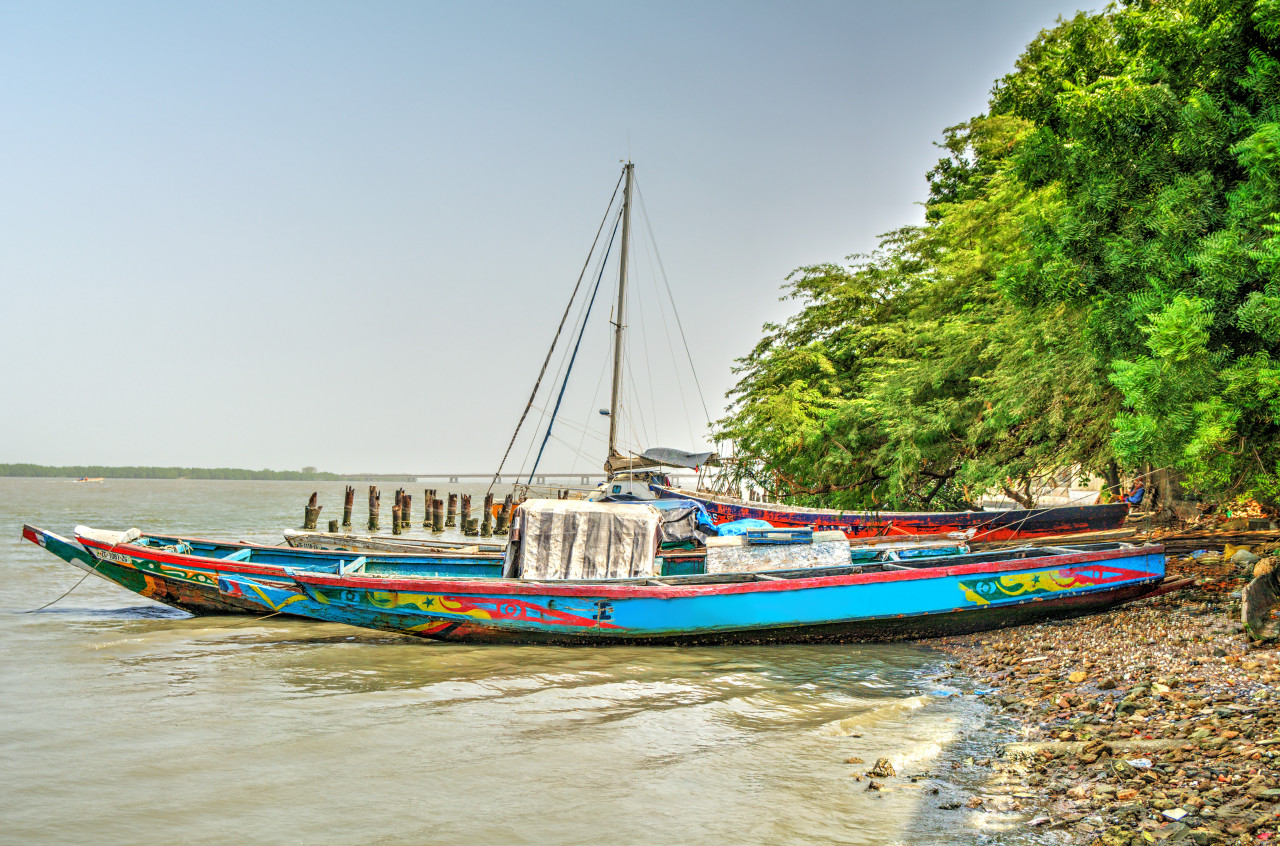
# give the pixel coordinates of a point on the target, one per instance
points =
(887, 599)
(871, 602)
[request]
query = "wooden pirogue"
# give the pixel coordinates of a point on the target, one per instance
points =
(1012, 524)
(183, 572)
(570, 578)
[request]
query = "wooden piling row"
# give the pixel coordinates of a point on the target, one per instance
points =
(437, 516)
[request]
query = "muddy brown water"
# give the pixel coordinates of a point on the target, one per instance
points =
(126, 722)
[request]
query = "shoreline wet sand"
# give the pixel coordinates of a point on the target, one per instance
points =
(1155, 722)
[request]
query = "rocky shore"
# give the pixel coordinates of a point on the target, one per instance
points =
(1156, 722)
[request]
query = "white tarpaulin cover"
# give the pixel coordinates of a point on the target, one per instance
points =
(574, 539)
(735, 555)
(108, 537)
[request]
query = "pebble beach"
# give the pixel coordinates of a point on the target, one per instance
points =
(1156, 722)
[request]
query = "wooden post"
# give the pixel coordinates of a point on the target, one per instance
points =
(427, 499)
(311, 514)
(396, 511)
(471, 527)
(348, 500)
(437, 516)
(333, 527)
(406, 507)
(451, 517)
(375, 501)
(504, 516)
(486, 524)
(466, 511)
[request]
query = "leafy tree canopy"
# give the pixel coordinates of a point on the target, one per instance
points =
(1097, 281)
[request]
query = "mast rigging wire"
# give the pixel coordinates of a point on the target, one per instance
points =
(644, 212)
(556, 339)
(572, 358)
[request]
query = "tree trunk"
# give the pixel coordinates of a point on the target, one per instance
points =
(1023, 497)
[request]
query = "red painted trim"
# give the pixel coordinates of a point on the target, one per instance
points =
(515, 586)
(194, 562)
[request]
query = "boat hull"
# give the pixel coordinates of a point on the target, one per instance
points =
(190, 582)
(901, 604)
(1016, 524)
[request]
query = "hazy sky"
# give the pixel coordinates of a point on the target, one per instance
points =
(272, 234)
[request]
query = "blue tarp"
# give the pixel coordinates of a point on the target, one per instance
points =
(701, 517)
(676, 511)
(741, 527)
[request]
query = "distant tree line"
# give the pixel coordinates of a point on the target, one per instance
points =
(1096, 285)
(94, 471)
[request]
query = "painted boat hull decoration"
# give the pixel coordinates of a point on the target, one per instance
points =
(1015, 524)
(893, 604)
(184, 572)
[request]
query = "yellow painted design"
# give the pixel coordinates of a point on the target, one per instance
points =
(983, 590)
(427, 603)
(267, 600)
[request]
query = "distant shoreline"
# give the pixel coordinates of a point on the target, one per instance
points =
(40, 471)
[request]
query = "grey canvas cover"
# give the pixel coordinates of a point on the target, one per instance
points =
(735, 555)
(575, 539)
(680, 458)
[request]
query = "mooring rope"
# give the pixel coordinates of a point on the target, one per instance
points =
(68, 593)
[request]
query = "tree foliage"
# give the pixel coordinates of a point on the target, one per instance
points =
(1097, 279)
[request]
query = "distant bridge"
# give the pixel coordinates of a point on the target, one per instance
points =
(538, 478)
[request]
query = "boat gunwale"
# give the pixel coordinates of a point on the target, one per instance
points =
(735, 502)
(206, 562)
(469, 585)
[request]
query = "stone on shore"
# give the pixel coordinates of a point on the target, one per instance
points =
(1157, 722)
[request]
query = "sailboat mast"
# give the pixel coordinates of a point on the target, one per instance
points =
(618, 325)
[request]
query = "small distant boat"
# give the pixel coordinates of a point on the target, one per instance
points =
(588, 573)
(90, 479)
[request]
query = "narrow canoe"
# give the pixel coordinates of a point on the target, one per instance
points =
(183, 572)
(982, 526)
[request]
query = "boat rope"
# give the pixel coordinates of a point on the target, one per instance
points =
(68, 593)
(644, 213)
(538, 382)
(256, 619)
(572, 358)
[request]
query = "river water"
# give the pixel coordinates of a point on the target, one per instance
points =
(126, 722)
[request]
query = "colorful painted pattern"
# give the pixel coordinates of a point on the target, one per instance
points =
(987, 589)
(507, 608)
(276, 600)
